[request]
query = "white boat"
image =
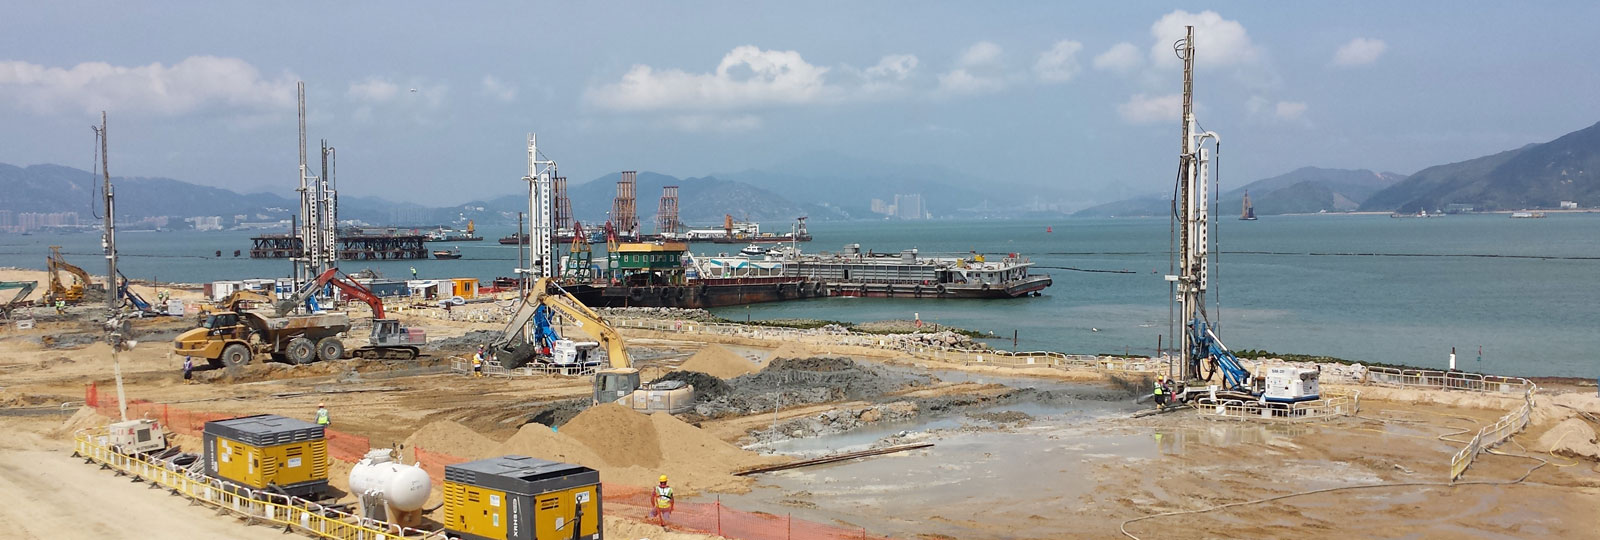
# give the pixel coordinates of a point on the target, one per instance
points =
(753, 250)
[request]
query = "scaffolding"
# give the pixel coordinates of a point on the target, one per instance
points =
(563, 205)
(667, 213)
(624, 214)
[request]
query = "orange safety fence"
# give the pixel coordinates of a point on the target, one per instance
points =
(631, 501)
(698, 517)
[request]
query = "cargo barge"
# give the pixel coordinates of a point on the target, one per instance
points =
(909, 274)
(663, 275)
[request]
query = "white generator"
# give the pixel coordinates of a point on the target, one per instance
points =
(566, 352)
(136, 437)
(1292, 385)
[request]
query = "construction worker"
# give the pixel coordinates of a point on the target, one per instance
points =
(1160, 392)
(188, 370)
(477, 363)
(664, 502)
(413, 272)
(61, 307)
(322, 415)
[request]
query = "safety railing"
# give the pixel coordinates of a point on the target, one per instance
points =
(1492, 435)
(292, 513)
(1448, 380)
(1332, 404)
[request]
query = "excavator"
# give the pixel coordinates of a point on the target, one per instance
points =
(388, 341)
(58, 289)
(23, 288)
(618, 383)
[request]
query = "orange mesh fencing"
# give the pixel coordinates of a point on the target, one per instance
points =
(630, 501)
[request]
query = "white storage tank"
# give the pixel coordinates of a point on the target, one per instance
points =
(389, 490)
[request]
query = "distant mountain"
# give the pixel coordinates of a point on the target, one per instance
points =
(1301, 191)
(1534, 176)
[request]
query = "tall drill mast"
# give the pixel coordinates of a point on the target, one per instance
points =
(667, 212)
(1192, 204)
(541, 214)
(319, 209)
(624, 214)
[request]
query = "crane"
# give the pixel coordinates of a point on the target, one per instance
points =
(59, 290)
(389, 340)
(23, 289)
(617, 383)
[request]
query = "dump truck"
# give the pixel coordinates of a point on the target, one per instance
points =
(232, 338)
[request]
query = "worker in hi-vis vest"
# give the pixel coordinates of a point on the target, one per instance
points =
(664, 502)
(1160, 392)
(322, 414)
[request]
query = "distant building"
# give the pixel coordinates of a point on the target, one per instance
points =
(206, 223)
(879, 207)
(1458, 208)
(1569, 205)
(909, 207)
(27, 221)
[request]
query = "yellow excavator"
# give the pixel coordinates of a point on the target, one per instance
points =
(58, 289)
(530, 338)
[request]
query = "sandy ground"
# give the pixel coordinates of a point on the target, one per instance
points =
(1192, 464)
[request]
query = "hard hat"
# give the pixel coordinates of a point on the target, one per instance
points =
(663, 478)
(322, 404)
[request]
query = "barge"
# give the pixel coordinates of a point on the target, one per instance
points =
(910, 274)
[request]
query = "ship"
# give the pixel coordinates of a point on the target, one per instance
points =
(450, 235)
(1527, 215)
(447, 254)
(664, 274)
(910, 274)
(744, 232)
(1249, 212)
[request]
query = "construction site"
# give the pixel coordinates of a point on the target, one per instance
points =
(327, 411)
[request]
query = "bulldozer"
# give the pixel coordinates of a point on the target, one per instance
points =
(619, 383)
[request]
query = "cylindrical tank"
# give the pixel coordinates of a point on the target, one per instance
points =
(404, 487)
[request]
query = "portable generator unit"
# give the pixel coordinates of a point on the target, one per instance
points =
(268, 452)
(521, 498)
(1292, 385)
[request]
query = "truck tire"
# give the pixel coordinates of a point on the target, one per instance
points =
(330, 349)
(301, 351)
(235, 355)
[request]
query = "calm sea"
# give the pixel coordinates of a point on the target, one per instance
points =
(1365, 288)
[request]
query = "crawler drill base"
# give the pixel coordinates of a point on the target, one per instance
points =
(386, 353)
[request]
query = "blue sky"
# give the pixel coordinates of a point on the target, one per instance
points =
(1077, 97)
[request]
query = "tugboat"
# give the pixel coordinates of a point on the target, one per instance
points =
(447, 254)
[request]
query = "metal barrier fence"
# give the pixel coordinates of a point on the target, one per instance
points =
(1334, 403)
(703, 518)
(290, 512)
(1486, 437)
(1449, 380)
(1489, 436)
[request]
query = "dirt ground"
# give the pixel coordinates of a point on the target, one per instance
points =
(1193, 464)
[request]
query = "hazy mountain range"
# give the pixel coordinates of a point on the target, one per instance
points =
(1535, 176)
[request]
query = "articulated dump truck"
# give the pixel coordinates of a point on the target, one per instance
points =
(232, 338)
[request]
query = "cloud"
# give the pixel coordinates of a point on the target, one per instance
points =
(1120, 58)
(492, 87)
(1290, 110)
(716, 123)
(1059, 63)
(1359, 52)
(978, 71)
(748, 77)
(193, 84)
(980, 54)
(1219, 42)
(1143, 109)
(894, 67)
(374, 90)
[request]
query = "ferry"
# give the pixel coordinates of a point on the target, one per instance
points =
(449, 235)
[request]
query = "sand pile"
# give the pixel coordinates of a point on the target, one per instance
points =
(538, 440)
(450, 437)
(718, 361)
(617, 434)
(637, 448)
(1573, 438)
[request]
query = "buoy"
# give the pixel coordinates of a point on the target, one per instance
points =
(1049, 229)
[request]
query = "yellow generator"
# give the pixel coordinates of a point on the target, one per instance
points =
(268, 452)
(521, 498)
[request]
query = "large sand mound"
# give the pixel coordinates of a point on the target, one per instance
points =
(718, 361)
(617, 434)
(790, 350)
(1572, 437)
(450, 437)
(538, 440)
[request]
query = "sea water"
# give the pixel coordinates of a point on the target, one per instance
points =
(1363, 288)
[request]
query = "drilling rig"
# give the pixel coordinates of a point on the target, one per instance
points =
(1201, 352)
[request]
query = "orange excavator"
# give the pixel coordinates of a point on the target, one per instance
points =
(389, 340)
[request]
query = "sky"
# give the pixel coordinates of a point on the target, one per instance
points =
(431, 102)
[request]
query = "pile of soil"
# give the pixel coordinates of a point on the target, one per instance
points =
(718, 361)
(790, 350)
(637, 448)
(538, 440)
(706, 387)
(617, 434)
(813, 364)
(450, 437)
(466, 342)
(1572, 438)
